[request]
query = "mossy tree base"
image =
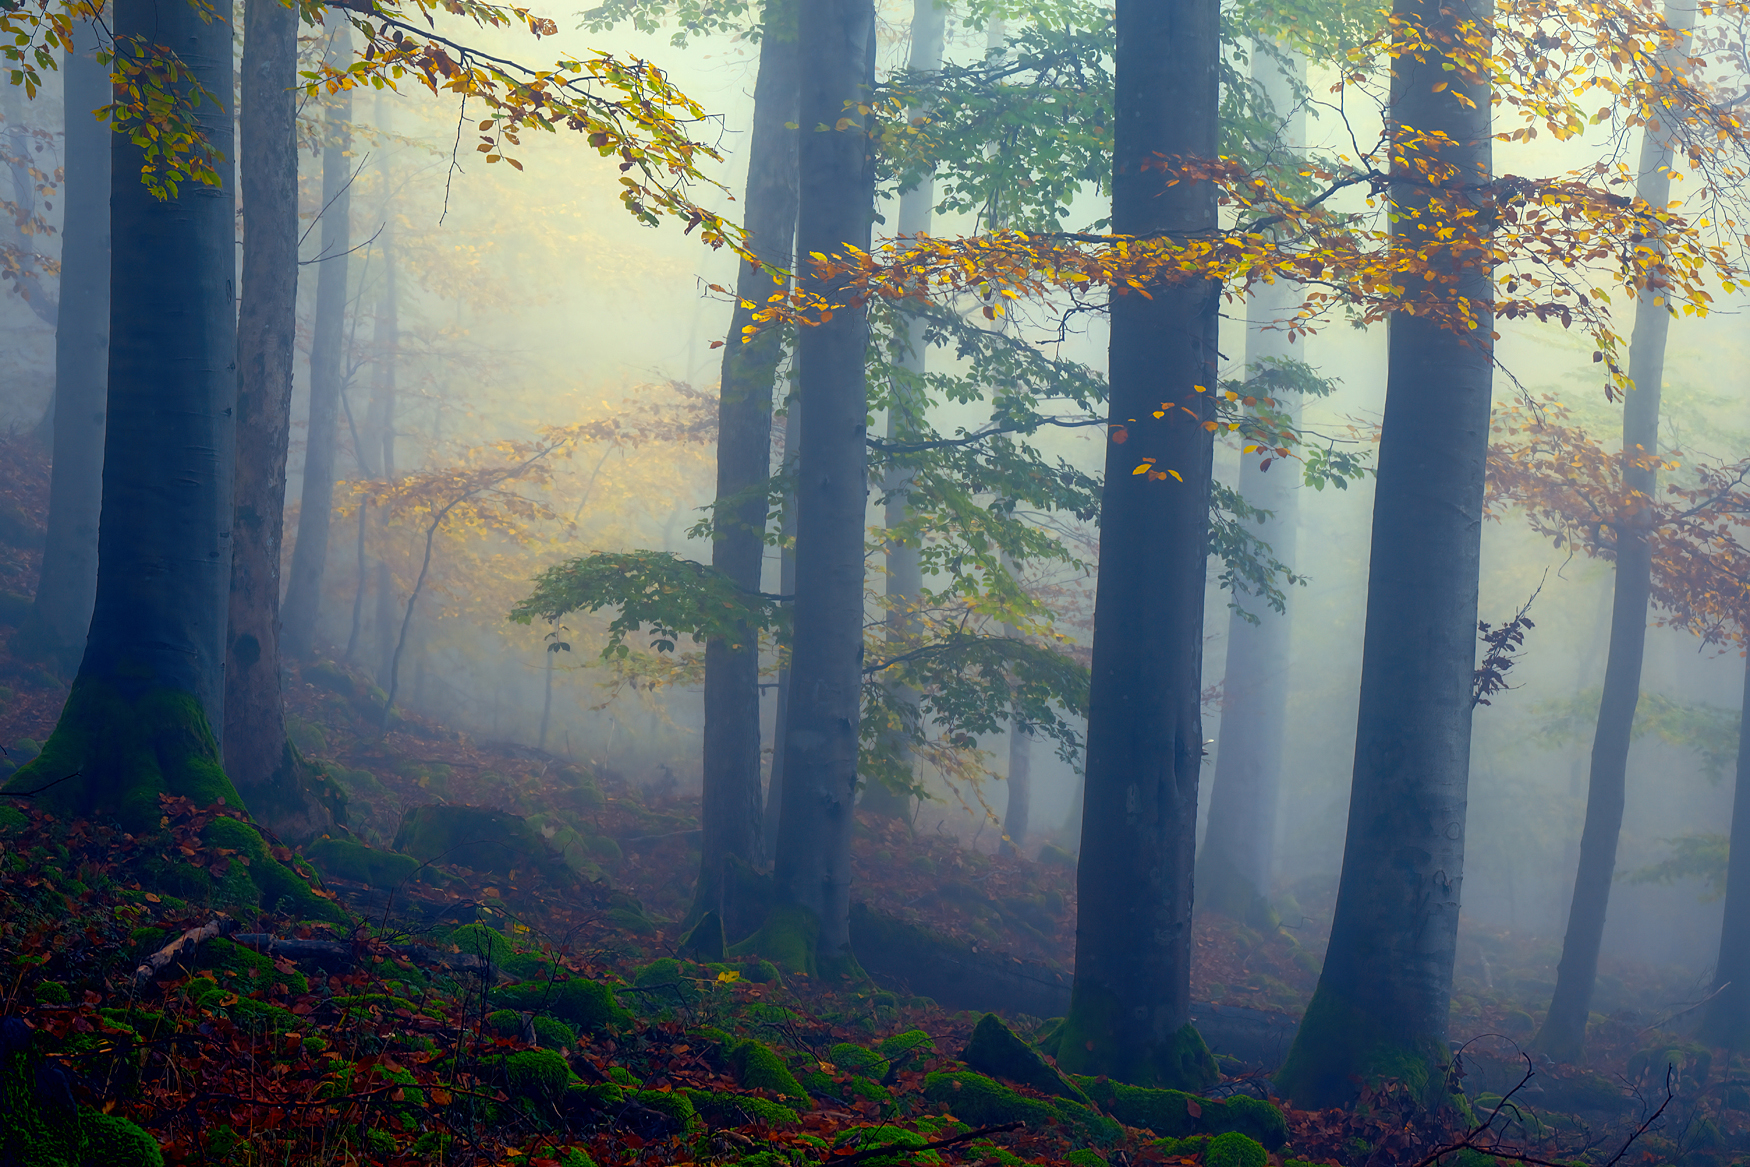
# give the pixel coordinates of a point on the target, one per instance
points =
(789, 938)
(1340, 1047)
(1096, 1040)
(115, 752)
(1222, 887)
(299, 801)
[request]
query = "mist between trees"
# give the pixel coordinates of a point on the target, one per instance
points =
(1262, 485)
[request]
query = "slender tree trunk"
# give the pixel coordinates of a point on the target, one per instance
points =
(139, 719)
(28, 282)
(1727, 1021)
(786, 587)
(1019, 780)
(905, 578)
(58, 620)
(813, 868)
(732, 814)
(327, 361)
(1381, 1005)
(1234, 869)
(1563, 1035)
(546, 698)
(383, 624)
(1130, 1009)
(258, 756)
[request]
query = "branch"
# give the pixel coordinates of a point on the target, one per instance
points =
(888, 1149)
(188, 941)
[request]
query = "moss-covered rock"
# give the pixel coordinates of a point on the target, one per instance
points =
(485, 840)
(587, 1005)
(361, 863)
(1177, 1114)
(109, 1140)
(721, 1108)
(674, 1104)
(983, 1101)
(549, 1032)
(1084, 1157)
(903, 1049)
(857, 1060)
(995, 1050)
(42, 1126)
(758, 1067)
(1235, 1150)
(479, 940)
(538, 1074)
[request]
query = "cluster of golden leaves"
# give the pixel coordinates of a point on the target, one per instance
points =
(625, 107)
(1571, 490)
(1557, 248)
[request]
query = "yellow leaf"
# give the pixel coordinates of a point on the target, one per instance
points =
(1143, 469)
(727, 977)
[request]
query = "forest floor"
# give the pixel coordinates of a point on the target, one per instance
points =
(588, 1041)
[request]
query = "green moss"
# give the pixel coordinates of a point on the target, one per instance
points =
(52, 993)
(1341, 1044)
(530, 966)
(485, 840)
(1191, 1147)
(1091, 1041)
(479, 940)
(584, 1004)
(675, 1104)
(902, 1049)
(726, 1109)
(1083, 1157)
(281, 888)
(112, 1141)
(1235, 1150)
(252, 967)
(905, 1143)
(758, 1067)
(983, 1101)
(361, 863)
(538, 1074)
(857, 1060)
(1178, 1114)
(787, 938)
(12, 820)
(113, 753)
(995, 1050)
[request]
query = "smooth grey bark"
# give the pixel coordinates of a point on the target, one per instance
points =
(164, 543)
(303, 606)
(905, 579)
(60, 615)
(1130, 1009)
(1235, 865)
(29, 283)
(258, 756)
(732, 814)
(1727, 1020)
(1380, 1009)
(1019, 781)
(1563, 1035)
(786, 587)
(813, 863)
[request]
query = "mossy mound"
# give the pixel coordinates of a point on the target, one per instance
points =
(281, 888)
(42, 1126)
(1234, 1150)
(857, 1060)
(902, 1049)
(490, 841)
(758, 1067)
(550, 1033)
(995, 1050)
(586, 1005)
(1177, 1114)
(361, 863)
(725, 1109)
(488, 944)
(537, 1074)
(982, 1101)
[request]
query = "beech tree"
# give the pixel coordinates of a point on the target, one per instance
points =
(60, 614)
(1130, 1009)
(327, 366)
(1563, 1033)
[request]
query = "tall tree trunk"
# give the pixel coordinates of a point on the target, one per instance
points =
(1234, 868)
(1019, 780)
(258, 756)
(1129, 1012)
(1381, 1005)
(28, 282)
(786, 587)
(61, 615)
(1563, 1035)
(813, 867)
(732, 815)
(1727, 1021)
(327, 363)
(149, 689)
(905, 577)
